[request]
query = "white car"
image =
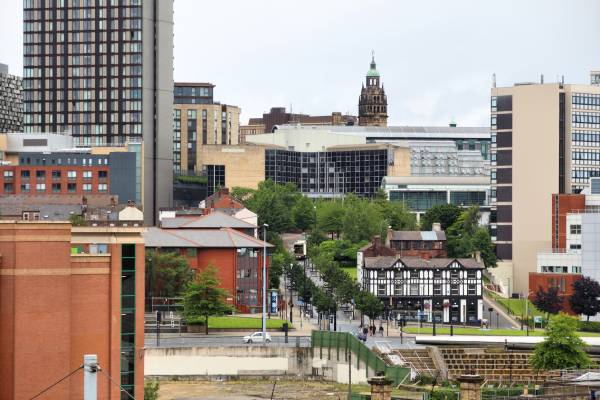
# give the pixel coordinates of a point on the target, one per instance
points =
(256, 337)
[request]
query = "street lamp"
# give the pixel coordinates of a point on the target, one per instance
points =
(264, 285)
(527, 310)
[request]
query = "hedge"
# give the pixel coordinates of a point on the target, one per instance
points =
(590, 326)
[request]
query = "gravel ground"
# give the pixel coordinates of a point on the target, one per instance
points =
(251, 390)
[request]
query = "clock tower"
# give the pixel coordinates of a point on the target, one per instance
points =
(372, 103)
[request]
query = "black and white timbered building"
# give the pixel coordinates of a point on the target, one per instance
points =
(448, 289)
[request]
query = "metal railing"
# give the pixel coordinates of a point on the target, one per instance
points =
(338, 344)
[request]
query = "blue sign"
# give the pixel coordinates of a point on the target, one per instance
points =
(273, 297)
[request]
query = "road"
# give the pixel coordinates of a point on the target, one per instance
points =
(214, 340)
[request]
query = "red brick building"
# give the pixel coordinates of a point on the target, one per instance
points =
(223, 241)
(424, 244)
(562, 204)
(65, 292)
(57, 179)
(564, 283)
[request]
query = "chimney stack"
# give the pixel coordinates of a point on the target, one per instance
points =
(436, 227)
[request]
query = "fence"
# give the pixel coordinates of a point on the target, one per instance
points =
(332, 345)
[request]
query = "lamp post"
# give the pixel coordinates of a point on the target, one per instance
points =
(527, 310)
(264, 285)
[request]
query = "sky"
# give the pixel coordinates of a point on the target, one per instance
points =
(436, 57)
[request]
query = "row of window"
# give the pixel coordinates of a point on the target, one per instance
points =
(26, 174)
(414, 274)
(586, 99)
(589, 138)
(413, 290)
(582, 175)
(56, 187)
(560, 269)
(586, 119)
(586, 155)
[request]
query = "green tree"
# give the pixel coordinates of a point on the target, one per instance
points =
(280, 261)
(362, 220)
(151, 388)
(330, 216)
(369, 304)
(482, 242)
(445, 214)
(303, 214)
(204, 297)
(562, 348)
(242, 194)
(584, 299)
(465, 237)
(399, 216)
(167, 273)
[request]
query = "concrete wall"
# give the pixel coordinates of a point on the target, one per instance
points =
(242, 360)
(244, 165)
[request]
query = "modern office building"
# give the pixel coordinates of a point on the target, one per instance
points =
(545, 140)
(595, 78)
(69, 291)
(448, 290)
(199, 121)
(465, 138)
(72, 173)
(104, 72)
(372, 103)
(11, 101)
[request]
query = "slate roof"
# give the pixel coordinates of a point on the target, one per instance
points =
(207, 238)
(215, 219)
(417, 235)
(384, 262)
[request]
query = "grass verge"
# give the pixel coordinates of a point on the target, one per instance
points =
(240, 323)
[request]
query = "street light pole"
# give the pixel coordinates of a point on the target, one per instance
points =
(264, 285)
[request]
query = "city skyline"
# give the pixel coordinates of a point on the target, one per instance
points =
(256, 70)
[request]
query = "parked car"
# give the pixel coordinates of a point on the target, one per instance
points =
(256, 337)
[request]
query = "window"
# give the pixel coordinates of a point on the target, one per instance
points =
(87, 187)
(381, 275)
(102, 187)
(25, 174)
(56, 188)
(576, 270)
(381, 290)
(471, 290)
(71, 187)
(40, 187)
(56, 174)
(72, 174)
(40, 174)
(25, 187)
(575, 247)
(102, 174)
(8, 188)
(8, 174)
(575, 229)
(87, 174)
(191, 252)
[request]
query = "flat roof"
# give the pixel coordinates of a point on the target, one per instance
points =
(437, 180)
(194, 84)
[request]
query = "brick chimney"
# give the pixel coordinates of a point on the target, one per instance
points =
(436, 227)
(381, 387)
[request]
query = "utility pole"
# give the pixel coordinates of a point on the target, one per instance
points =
(264, 286)
(90, 377)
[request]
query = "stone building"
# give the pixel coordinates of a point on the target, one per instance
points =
(11, 101)
(372, 103)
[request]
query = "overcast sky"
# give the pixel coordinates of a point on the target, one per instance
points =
(436, 57)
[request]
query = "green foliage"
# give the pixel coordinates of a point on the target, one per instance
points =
(361, 220)
(562, 348)
(231, 322)
(303, 214)
(167, 273)
(584, 299)
(465, 237)
(200, 180)
(396, 213)
(77, 220)
(151, 388)
(548, 301)
(330, 216)
(445, 214)
(203, 297)
(280, 261)
(241, 193)
(368, 304)
(589, 326)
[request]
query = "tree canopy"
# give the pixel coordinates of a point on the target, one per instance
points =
(168, 273)
(547, 301)
(561, 348)
(584, 299)
(445, 214)
(204, 297)
(465, 237)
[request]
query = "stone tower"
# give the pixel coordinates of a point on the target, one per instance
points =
(372, 103)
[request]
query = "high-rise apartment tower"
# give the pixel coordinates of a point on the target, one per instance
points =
(103, 70)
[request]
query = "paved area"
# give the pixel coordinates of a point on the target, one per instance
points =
(215, 340)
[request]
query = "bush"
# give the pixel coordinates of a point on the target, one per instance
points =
(589, 326)
(444, 394)
(151, 390)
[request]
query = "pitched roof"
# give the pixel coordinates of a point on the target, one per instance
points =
(384, 262)
(417, 235)
(215, 219)
(207, 238)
